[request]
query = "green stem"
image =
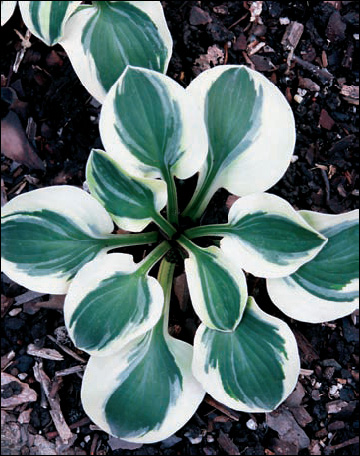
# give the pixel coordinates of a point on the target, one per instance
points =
(127, 240)
(207, 230)
(164, 225)
(202, 197)
(187, 244)
(165, 278)
(172, 203)
(154, 256)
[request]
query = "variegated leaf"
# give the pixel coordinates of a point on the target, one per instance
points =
(148, 392)
(267, 237)
(327, 287)
(132, 202)
(7, 10)
(50, 233)
(147, 124)
(217, 286)
(102, 39)
(251, 133)
(46, 19)
(252, 369)
(111, 301)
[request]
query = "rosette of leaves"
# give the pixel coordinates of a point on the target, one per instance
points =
(100, 38)
(234, 128)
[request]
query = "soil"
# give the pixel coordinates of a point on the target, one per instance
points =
(61, 124)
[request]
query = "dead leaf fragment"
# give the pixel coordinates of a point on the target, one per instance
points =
(14, 392)
(214, 56)
(15, 145)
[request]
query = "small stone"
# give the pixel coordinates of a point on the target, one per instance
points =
(335, 30)
(252, 425)
(194, 439)
(335, 406)
(15, 312)
(240, 43)
(294, 158)
(334, 391)
(221, 9)
(325, 120)
(22, 376)
(298, 98)
(315, 394)
(87, 438)
(331, 363)
(210, 439)
(199, 16)
(336, 426)
(329, 372)
(284, 21)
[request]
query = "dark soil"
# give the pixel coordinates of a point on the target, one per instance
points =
(62, 125)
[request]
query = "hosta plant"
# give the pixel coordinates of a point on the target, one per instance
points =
(102, 38)
(234, 128)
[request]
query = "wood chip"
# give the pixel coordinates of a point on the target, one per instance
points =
(67, 350)
(69, 371)
(222, 408)
(350, 94)
(227, 444)
(46, 353)
(14, 392)
(55, 412)
(292, 35)
(6, 360)
(27, 297)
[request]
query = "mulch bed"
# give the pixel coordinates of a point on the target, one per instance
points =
(310, 51)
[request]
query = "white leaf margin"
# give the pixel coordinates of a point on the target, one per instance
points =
(80, 58)
(97, 388)
(7, 10)
(294, 301)
(266, 160)
(249, 258)
(44, 20)
(87, 280)
(212, 382)
(71, 202)
(194, 142)
(158, 188)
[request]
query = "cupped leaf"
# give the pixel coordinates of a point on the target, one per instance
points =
(46, 20)
(111, 301)
(150, 125)
(252, 369)
(130, 201)
(327, 287)
(49, 234)
(251, 133)
(7, 10)
(131, 33)
(148, 392)
(217, 286)
(267, 237)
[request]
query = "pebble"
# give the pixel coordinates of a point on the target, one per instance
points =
(22, 376)
(87, 439)
(195, 440)
(334, 391)
(252, 425)
(15, 312)
(335, 406)
(299, 99)
(210, 439)
(284, 21)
